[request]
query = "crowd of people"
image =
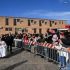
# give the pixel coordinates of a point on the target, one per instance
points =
(50, 36)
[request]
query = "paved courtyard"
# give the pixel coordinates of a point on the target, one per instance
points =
(24, 60)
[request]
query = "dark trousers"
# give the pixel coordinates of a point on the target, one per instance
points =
(9, 48)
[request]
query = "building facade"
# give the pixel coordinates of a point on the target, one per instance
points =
(28, 25)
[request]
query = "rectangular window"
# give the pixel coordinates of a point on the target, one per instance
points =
(28, 22)
(14, 21)
(40, 30)
(50, 24)
(34, 30)
(7, 21)
(40, 24)
(8, 29)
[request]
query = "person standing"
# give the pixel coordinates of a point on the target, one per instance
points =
(3, 47)
(9, 40)
(49, 36)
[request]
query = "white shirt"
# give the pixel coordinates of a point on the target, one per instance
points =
(62, 52)
(3, 49)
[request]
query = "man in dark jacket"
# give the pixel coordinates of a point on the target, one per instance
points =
(9, 40)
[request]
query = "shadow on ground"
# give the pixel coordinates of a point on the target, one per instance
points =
(15, 65)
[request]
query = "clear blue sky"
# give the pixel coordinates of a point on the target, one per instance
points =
(51, 9)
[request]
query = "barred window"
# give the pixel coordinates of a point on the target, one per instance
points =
(34, 30)
(8, 29)
(7, 21)
(50, 24)
(40, 30)
(28, 22)
(14, 21)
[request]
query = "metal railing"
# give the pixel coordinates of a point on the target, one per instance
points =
(48, 51)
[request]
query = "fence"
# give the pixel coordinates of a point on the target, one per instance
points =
(48, 51)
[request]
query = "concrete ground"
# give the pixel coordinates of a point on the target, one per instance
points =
(24, 60)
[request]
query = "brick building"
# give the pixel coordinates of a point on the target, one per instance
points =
(29, 25)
